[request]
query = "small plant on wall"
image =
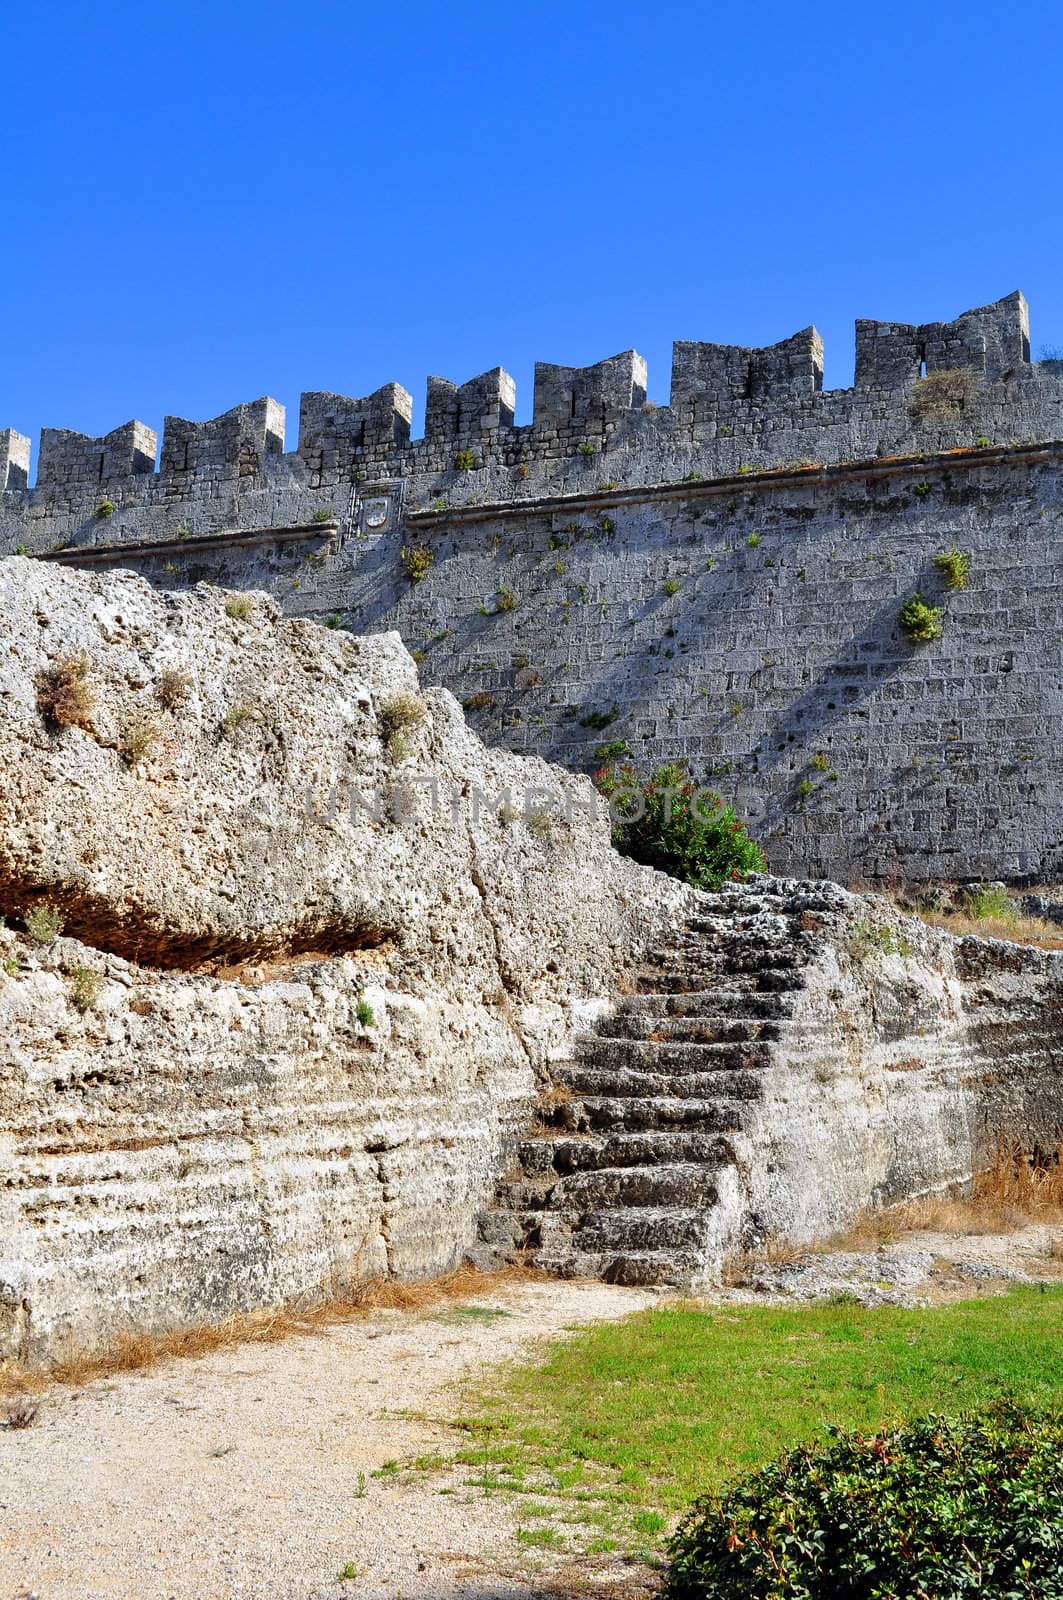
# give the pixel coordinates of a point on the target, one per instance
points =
(919, 622)
(955, 567)
(416, 561)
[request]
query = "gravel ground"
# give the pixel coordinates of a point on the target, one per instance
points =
(246, 1475)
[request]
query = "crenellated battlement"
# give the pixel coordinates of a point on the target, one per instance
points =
(728, 405)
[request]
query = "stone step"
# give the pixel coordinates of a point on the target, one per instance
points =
(545, 1158)
(728, 1082)
(766, 980)
(646, 1228)
(682, 1184)
(651, 1026)
(676, 1269)
(718, 1002)
(638, 1113)
(730, 964)
(670, 1055)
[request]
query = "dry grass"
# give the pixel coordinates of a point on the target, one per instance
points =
(1016, 930)
(64, 697)
(942, 394)
(173, 688)
(1014, 1190)
(135, 1352)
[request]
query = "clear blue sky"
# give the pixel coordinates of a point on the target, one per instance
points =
(208, 202)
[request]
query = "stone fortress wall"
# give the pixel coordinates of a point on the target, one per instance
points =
(718, 578)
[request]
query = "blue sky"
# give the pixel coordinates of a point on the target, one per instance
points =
(205, 203)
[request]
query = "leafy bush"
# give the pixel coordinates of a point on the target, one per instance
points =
(416, 561)
(105, 509)
(64, 697)
(919, 622)
(322, 514)
(465, 461)
(935, 1509)
(44, 923)
(955, 567)
(684, 830)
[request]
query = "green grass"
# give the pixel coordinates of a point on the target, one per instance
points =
(623, 1424)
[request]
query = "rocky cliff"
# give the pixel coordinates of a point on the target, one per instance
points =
(300, 998)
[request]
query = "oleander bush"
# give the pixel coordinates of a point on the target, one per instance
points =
(666, 820)
(937, 1509)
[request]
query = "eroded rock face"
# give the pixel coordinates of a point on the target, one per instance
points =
(219, 1128)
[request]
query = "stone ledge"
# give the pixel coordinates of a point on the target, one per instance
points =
(759, 478)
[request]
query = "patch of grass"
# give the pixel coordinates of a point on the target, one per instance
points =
(139, 738)
(321, 515)
(638, 1417)
(364, 1012)
(507, 600)
(239, 607)
(671, 586)
(464, 461)
(990, 902)
(173, 688)
(44, 923)
(105, 509)
(64, 696)
(234, 719)
(85, 990)
(586, 448)
(397, 716)
(955, 568)
(941, 395)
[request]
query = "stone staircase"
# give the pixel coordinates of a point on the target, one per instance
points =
(631, 1171)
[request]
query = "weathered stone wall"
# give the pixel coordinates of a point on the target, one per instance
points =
(615, 571)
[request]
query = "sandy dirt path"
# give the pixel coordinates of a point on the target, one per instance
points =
(246, 1475)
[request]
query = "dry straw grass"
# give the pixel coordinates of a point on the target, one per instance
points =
(1016, 930)
(1012, 1191)
(64, 697)
(134, 1352)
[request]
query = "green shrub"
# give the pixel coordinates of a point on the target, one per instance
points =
(586, 448)
(671, 586)
(685, 831)
(44, 923)
(321, 515)
(85, 990)
(936, 1509)
(416, 560)
(990, 901)
(600, 719)
(105, 509)
(955, 567)
(613, 750)
(919, 622)
(465, 461)
(507, 600)
(364, 1012)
